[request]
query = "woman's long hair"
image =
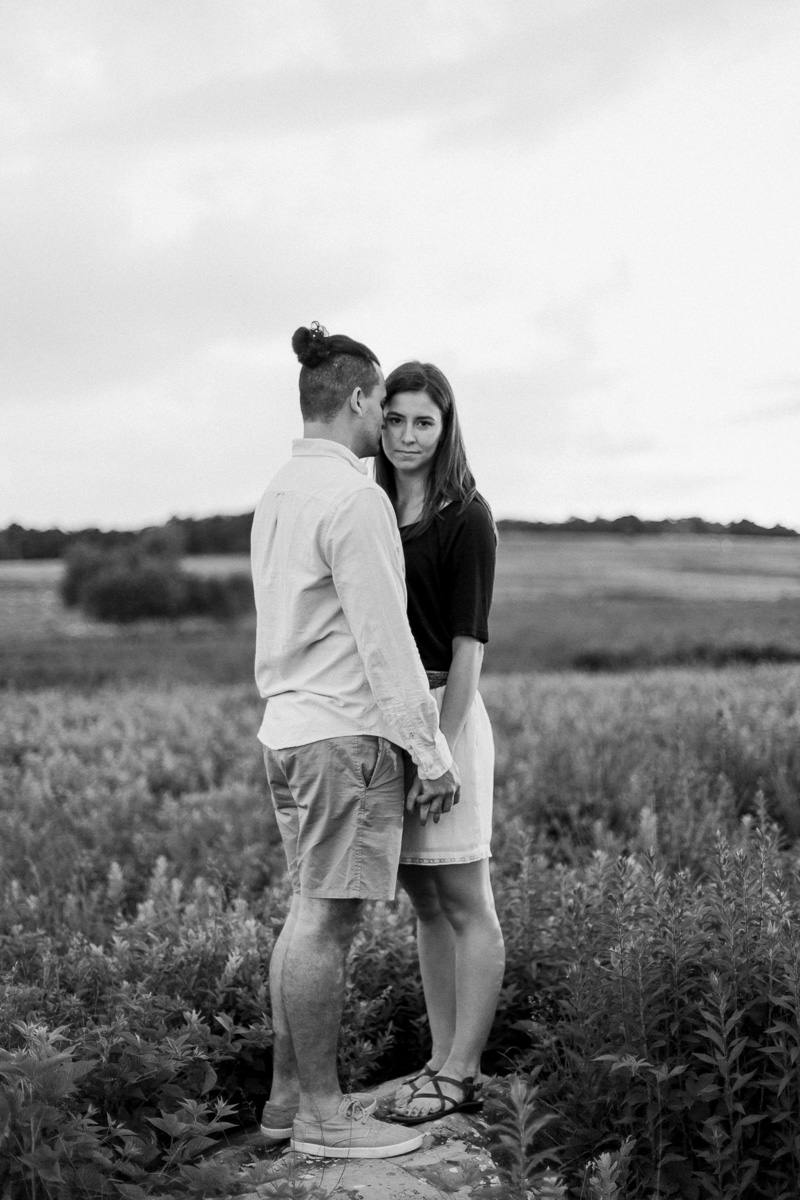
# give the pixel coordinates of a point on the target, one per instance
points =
(450, 478)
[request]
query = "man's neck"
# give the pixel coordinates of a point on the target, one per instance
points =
(332, 431)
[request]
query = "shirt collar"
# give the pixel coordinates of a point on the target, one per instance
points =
(322, 448)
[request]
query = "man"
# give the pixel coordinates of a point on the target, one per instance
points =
(344, 688)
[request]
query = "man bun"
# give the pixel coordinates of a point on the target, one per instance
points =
(312, 346)
(332, 366)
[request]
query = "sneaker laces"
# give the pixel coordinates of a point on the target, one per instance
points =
(354, 1109)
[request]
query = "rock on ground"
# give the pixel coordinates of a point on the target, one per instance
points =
(453, 1161)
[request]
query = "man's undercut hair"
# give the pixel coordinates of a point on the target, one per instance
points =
(333, 366)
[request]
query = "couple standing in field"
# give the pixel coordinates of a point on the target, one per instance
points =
(372, 601)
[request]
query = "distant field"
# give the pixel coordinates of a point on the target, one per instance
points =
(683, 567)
(596, 601)
(561, 600)
(30, 606)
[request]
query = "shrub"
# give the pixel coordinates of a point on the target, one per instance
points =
(81, 563)
(133, 590)
(147, 582)
(221, 597)
(53, 1145)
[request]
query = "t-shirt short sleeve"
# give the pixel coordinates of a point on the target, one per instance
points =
(471, 562)
(449, 577)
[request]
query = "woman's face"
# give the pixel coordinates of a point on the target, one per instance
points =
(412, 428)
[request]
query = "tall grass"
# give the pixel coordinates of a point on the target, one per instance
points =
(672, 1023)
(646, 877)
(655, 760)
(650, 761)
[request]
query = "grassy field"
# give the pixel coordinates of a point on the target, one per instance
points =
(564, 601)
(593, 601)
(650, 1007)
(645, 868)
(134, 772)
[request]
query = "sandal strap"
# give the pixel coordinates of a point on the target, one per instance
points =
(419, 1080)
(468, 1086)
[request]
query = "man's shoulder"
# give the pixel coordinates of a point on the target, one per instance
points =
(321, 472)
(343, 489)
(328, 487)
(326, 478)
(362, 498)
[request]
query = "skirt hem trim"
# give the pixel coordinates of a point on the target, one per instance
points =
(443, 860)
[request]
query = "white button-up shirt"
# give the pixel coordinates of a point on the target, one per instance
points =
(334, 652)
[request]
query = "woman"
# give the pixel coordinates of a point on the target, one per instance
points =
(449, 540)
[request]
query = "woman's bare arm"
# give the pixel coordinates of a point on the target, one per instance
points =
(462, 684)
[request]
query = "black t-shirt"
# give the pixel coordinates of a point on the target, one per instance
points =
(449, 577)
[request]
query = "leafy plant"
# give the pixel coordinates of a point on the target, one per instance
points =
(646, 884)
(516, 1121)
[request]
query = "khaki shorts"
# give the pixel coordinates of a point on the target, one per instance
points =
(339, 805)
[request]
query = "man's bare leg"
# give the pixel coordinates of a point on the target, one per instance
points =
(285, 1087)
(312, 986)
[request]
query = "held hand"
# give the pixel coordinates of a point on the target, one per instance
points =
(413, 799)
(432, 797)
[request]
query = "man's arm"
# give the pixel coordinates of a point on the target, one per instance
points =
(363, 549)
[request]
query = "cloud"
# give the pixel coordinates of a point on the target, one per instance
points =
(139, 73)
(89, 300)
(770, 412)
(202, 438)
(582, 210)
(193, 180)
(773, 410)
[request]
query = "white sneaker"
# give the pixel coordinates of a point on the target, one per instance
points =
(276, 1119)
(352, 1133)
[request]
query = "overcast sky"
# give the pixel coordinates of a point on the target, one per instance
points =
(586, 212)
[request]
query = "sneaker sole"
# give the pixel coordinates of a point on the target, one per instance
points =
(276, 1135)
(321, 1151)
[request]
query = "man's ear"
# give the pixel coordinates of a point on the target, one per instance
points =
(356, 401)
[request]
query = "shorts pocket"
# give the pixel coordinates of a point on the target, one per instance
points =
(369, 755)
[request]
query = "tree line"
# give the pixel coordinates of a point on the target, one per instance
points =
(187, 535)
(231, 534)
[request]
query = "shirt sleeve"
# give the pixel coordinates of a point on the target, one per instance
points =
(362, 546)
(472, 563)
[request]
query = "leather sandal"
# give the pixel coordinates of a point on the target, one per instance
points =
(432, 1091)
(417, 1081)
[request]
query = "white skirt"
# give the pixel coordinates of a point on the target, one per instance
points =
(463, 834)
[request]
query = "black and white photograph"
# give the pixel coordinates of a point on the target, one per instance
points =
(399, 599)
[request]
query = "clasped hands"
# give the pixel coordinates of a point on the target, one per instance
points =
(432, 797)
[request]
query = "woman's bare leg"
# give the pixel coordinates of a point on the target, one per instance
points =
(464, 895)
(436, 949)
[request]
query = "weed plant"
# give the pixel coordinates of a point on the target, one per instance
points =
(673, 1028)
(646, 880)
